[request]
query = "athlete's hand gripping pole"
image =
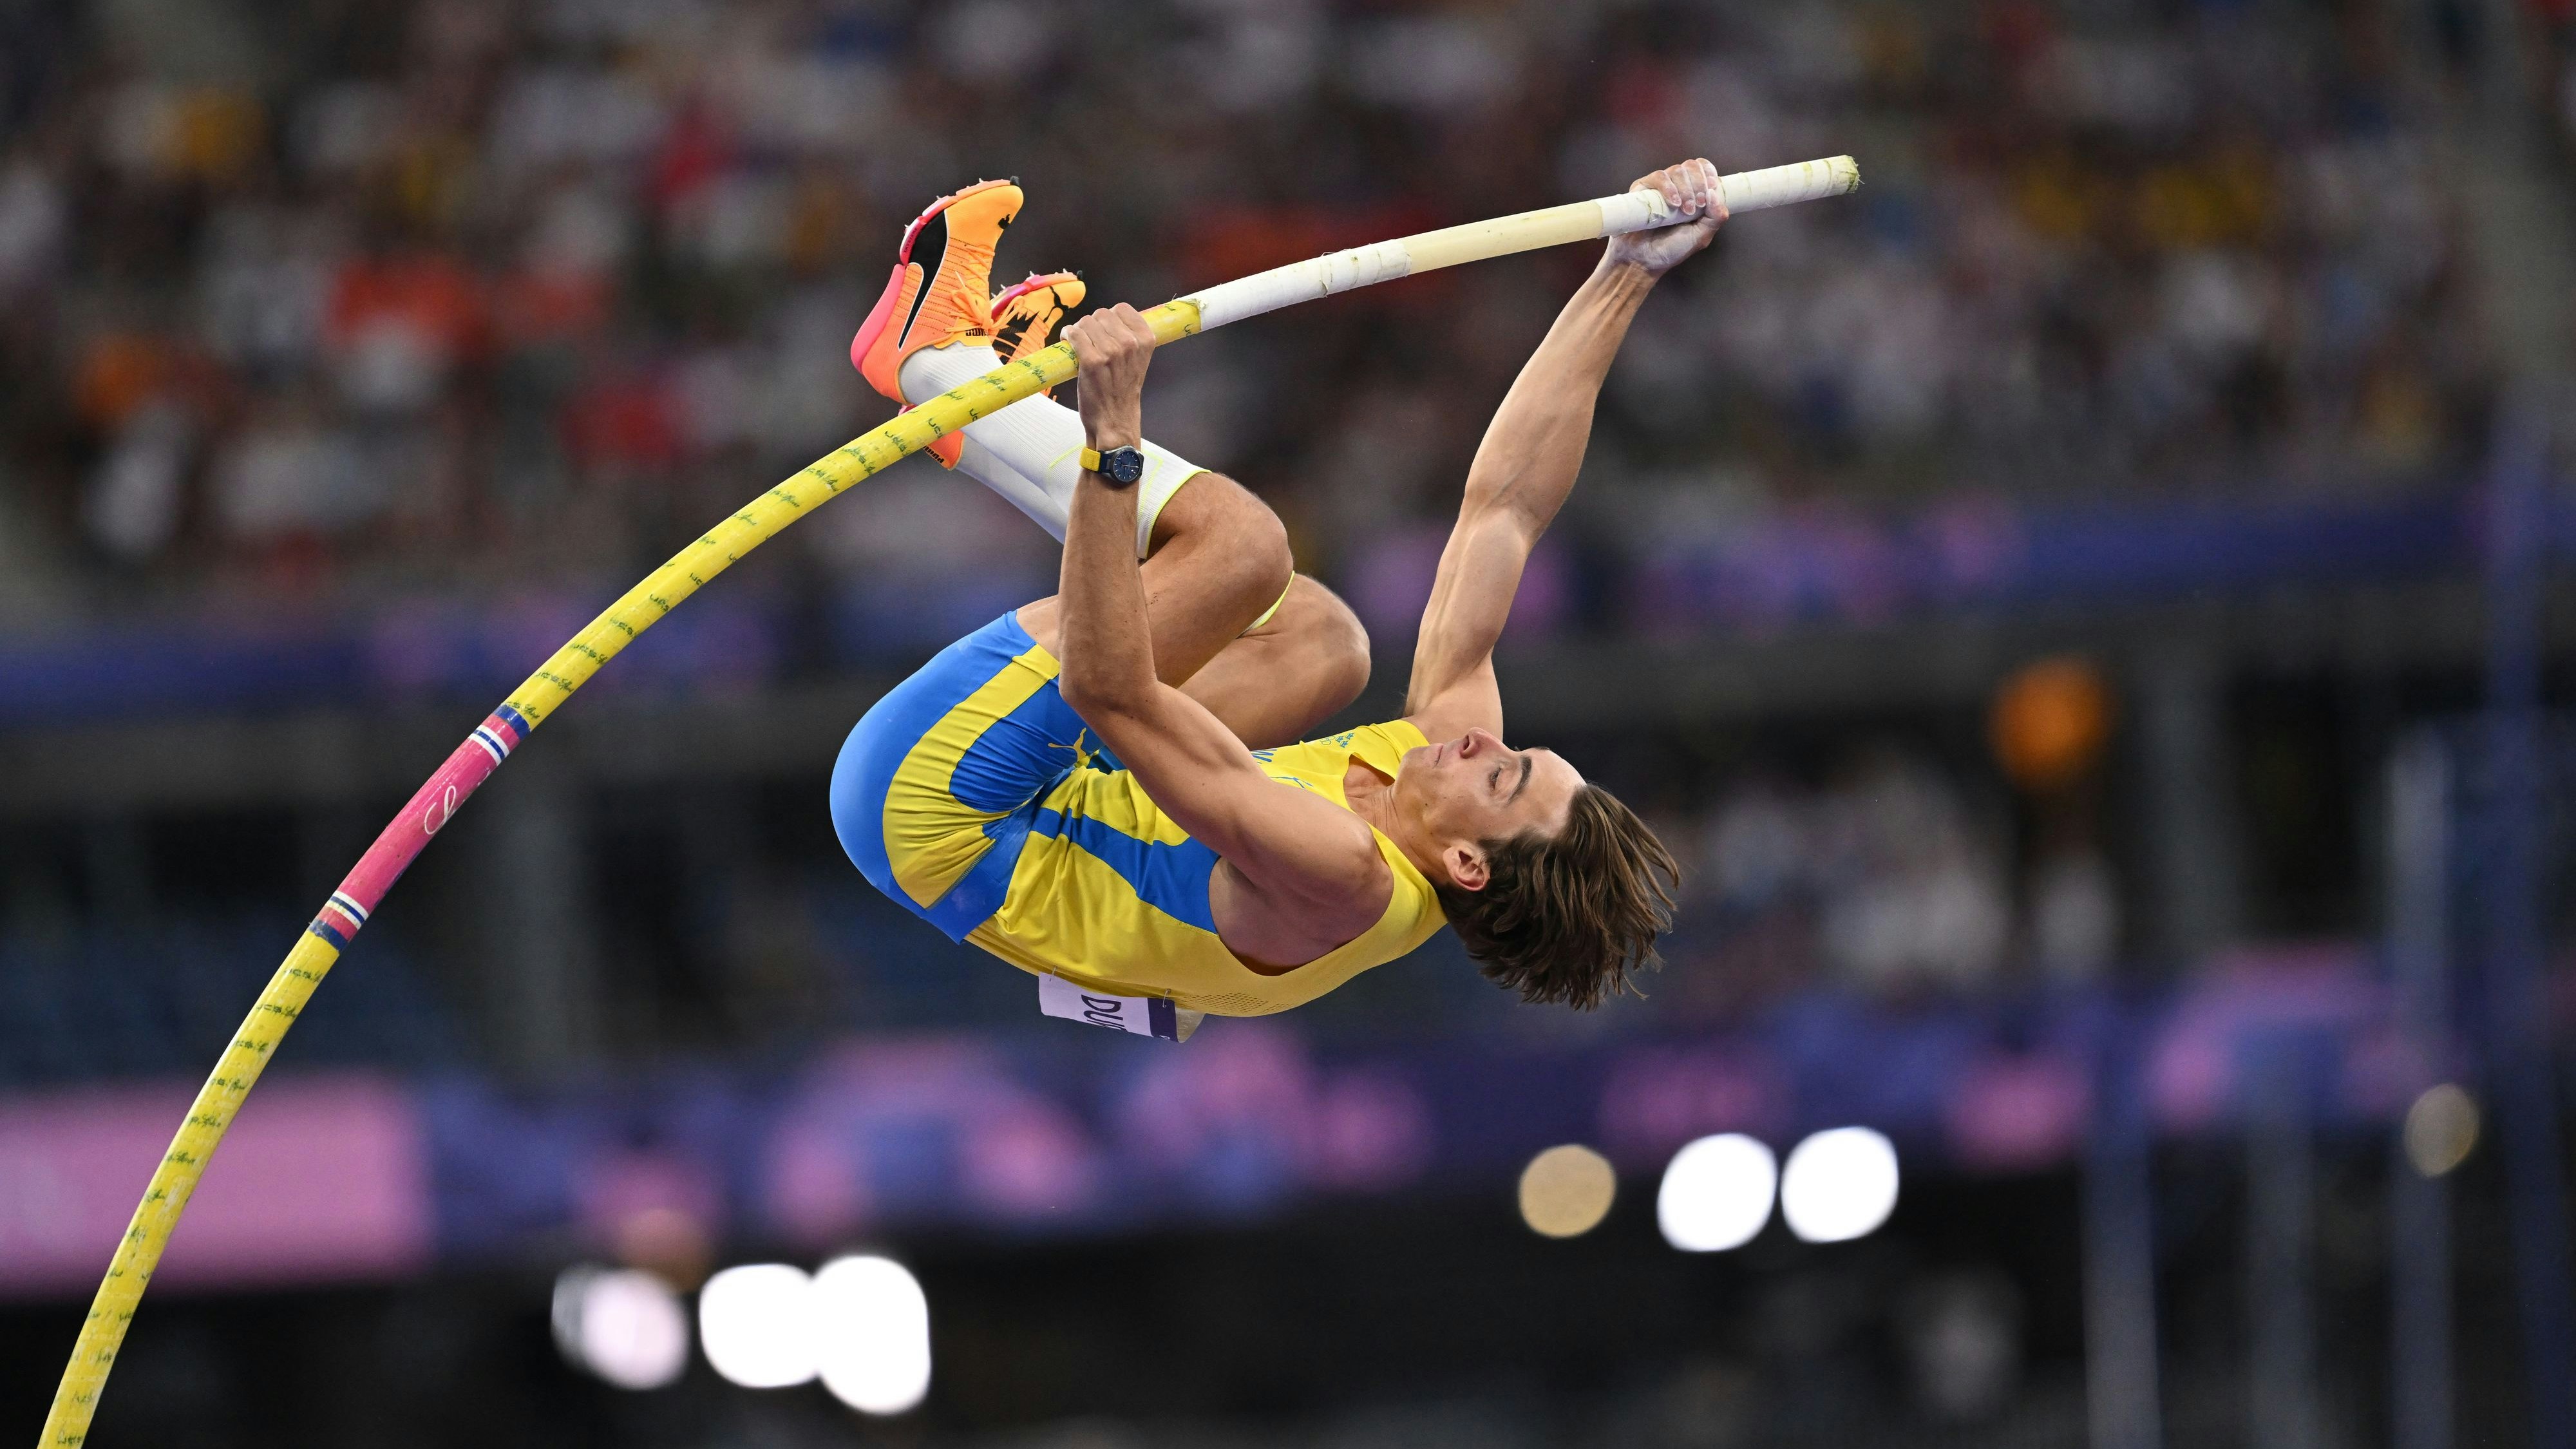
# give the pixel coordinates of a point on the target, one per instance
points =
(341, 918)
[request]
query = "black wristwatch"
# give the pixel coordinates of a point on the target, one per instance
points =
(1119, 467)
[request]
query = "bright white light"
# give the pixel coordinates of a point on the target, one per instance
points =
(623, 1325)
(873, 1334)
(757, 1323)
(1716, 1193)
(1839, 1185)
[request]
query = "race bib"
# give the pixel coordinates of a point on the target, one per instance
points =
(1142, 1015)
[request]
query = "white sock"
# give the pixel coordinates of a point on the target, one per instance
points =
(1030, 452)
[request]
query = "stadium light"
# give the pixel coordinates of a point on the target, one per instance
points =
(756, 1323)
(1839, 1185)
(624, 1325)
(2441, 1129)
(1717, 1193)
(1566, 1191)
(872, 1328)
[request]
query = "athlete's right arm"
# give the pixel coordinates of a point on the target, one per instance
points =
(1294, 846)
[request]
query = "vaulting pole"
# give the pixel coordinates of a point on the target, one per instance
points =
(667, 587)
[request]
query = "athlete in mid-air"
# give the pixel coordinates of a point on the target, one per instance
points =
(1101, 786)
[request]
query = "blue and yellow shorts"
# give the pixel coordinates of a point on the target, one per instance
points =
(937, 787)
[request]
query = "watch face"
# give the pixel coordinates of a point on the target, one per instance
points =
(1125, 464)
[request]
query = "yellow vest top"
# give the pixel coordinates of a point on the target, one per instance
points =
(1110, 894)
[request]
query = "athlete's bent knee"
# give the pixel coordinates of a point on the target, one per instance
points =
(1235, 528)
(1267, 561)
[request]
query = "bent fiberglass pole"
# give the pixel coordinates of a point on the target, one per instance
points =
(545, 691)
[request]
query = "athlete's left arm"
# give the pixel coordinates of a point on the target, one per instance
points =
(1530, 457)
(1287, 842)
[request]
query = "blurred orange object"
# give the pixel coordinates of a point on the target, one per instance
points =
(427, 292)
(215, 133)
(120, 371)
(2050, 721)
(537, 306)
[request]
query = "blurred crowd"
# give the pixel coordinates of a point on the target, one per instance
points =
(1900, 874)
(378, 300)
(1887, 879)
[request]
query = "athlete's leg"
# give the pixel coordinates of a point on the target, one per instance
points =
(1031, 451)
(1219, 560)
(1219, 563)
(921, 776)
(1216, 558)
(1293, 672)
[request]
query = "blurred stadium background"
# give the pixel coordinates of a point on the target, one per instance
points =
(2083, 610)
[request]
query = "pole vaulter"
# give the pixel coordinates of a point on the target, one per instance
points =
(546, 691)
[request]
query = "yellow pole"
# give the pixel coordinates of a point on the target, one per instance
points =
(175, 1180)
(666, 588)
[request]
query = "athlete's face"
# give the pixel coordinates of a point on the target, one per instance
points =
(1461, 793)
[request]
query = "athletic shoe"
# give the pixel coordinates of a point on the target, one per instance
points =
(941, 288)
(1025, 315)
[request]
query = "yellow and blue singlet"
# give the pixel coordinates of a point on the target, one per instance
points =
(971, 795)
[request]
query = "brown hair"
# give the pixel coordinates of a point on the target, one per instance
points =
(1569, 917)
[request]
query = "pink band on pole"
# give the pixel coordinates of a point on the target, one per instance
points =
(429, 810)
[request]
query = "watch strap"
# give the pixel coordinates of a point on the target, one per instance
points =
(1101, 464)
